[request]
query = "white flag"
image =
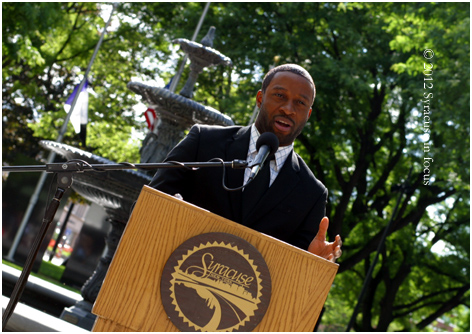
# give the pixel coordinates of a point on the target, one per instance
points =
(80, 113)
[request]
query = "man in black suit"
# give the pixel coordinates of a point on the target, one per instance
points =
(293, 201)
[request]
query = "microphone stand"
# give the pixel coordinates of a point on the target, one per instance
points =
(64, 173)
(79, 166)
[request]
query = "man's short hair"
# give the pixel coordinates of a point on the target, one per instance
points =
(294, 68)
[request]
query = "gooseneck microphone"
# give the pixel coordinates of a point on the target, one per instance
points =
(266, 145)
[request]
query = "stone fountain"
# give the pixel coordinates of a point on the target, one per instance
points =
(176, 113)
(116, 191)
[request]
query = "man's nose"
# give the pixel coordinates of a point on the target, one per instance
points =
(288, 107)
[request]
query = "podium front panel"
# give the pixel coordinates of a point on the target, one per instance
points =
(130, 297)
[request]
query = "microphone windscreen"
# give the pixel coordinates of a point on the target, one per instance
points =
(269, 139)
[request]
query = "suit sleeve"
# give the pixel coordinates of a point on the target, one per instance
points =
(309, 227)
(177, 180)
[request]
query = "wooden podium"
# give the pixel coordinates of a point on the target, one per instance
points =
(130, 297)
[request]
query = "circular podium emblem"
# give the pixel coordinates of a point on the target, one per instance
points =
(216, 282)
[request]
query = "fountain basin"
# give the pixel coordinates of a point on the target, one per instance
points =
(179, 109)
(115, 191)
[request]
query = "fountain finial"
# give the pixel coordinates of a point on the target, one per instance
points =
(209, 37)
(201, 56)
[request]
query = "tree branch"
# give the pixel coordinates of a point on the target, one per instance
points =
(421, 300)
(411, 218)
(410, 311)
(69, 37)
(445, 307)
(438, 234)
(91, 47)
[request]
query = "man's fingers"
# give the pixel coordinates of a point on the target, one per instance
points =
(338, 252)
(331, 258)
(324, 224)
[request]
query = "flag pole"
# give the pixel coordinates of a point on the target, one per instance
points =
(52, 155)
(176, 78)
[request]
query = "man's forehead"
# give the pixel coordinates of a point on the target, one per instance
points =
(292, 74)
(280, 77)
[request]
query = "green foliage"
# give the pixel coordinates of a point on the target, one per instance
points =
(45, 56)
(48, 272)
(51, 270)
(366, 133)
(111, 134)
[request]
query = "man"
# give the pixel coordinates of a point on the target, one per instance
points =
(294, 200)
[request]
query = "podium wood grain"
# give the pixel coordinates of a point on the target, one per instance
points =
(130, 299)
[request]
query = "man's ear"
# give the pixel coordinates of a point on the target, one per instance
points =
(259, 98)
(309, 113)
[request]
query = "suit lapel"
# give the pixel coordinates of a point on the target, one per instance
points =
(285, 182)
(237, 149)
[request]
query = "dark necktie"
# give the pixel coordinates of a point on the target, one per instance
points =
(254, 191)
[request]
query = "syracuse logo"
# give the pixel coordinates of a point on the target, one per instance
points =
(216, 282)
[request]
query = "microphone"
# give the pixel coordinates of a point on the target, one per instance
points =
(266, 145)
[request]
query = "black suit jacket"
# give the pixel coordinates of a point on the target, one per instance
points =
(290, 210)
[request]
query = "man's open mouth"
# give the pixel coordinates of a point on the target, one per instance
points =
(283, 124)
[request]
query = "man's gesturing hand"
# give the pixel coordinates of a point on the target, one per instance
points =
(319, 246)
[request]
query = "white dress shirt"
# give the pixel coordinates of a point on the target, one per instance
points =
(275, 165)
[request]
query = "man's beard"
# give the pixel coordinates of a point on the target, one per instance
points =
(263, 124)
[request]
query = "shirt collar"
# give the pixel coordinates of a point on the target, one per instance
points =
(281, 154)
